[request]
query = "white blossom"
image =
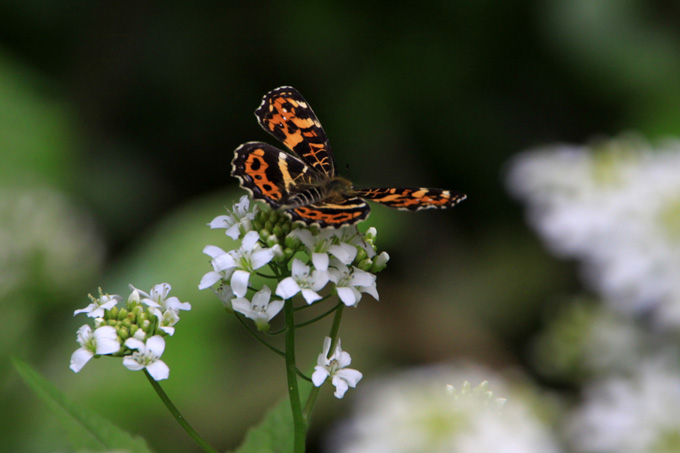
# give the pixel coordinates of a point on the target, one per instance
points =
(303, 280)
(633, 413)
(323, 244)
(147, 355)
(102, 341)
(158, 298)
(99, 305)
(261, 309)
(236, 265)
(351, 282)
(335, 367)
(237, 221)
(615, 207)
(434, 410)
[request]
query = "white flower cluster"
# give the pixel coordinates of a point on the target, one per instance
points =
(421, 411)
(301, 261)
(633, 413)
(134, 332)
(616, 208)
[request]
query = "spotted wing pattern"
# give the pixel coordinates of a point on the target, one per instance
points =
(270, 174)
(411, 199)
(286, 115)
(304, 184)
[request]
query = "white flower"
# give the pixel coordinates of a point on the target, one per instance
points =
(637, 413)
(302, 280)
(336, 368)
(419, 411)
(147, 355)
(102, 341)
(237, 221)
(616, 208)
(236, 264)
(216, 275)
(351, 236)
(322, 244)
(350, 284)
(166, 319)
(158, 298)
(98, 306)
(225, 294)
(260, 310)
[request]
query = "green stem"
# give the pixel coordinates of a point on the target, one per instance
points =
(299, 422)
(257, 337)
(178, 416)
(314, 393)
(321, 316)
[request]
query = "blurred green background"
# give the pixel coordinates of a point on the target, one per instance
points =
(117, 125)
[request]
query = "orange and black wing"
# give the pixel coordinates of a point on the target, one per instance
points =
(411, 198)
(286, 115)
(269, 174)
(338, 213)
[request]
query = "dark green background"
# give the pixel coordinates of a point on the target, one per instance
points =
(133, 110)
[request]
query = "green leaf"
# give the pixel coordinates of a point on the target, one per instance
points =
(85, 429)
(275, 431)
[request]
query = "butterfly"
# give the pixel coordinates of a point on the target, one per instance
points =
(305, 184)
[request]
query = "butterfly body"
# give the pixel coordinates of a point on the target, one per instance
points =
(305, 184)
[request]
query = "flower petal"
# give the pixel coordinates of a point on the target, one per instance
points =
(155, 345)
(209, 279)
(239, 282)
(343, 252)
(340, 387)
(320, 261)
(261, 257)
(319, 376)
(221, 221)
(158, 370)
(310, 296)
(287, 288)
(131, 364)
(348, 295)
(249, 240)
(134, 343)
(79, 358)
(106, 339)
(213, 251)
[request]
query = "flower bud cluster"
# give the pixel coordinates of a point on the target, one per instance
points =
(134, 331)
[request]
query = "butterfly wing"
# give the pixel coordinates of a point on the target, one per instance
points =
(270, 174)
(334, 213)
(411, 198)
(286, 115)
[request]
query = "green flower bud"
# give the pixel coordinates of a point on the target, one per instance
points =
(365, 265)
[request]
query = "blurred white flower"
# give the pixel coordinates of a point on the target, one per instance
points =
(419, 411)
(637, 413)
(615, 207)
(586, 339)
(45, 240)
